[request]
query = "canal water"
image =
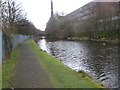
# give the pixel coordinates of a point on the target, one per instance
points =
(98, 59)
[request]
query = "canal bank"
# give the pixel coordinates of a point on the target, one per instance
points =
(59, 74)
(104, 40)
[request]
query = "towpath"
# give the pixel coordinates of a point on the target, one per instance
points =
(30, 74)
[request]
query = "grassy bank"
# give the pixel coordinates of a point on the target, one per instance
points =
(114, 41)
(8, 69)
(0, 77)
(60, 75)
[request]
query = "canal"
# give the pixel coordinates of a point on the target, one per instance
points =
(98, 59)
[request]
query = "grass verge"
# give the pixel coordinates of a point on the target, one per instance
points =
(60, 75)
(0, 77)
(8, 69)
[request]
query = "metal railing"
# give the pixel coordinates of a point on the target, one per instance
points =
(15, 40)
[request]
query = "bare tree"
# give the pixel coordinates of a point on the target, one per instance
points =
(11, 13)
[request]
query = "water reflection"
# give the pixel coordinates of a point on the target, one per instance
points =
(43, 44)
(95, 58)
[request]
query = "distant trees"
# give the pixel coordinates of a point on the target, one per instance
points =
(25, 27)
(59, 27)
(66, 26)
(14, 19)
(51, 28)
(14, 22)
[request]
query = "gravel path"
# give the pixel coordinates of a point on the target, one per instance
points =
(30, 74)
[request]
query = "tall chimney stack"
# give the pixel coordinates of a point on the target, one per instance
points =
(51, 8)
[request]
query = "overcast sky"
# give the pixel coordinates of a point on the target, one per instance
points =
(39, 11)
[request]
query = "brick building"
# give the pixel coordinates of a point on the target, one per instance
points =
(94, 8)
(81, 13)
(101, 11)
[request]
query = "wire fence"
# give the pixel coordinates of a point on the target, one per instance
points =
(15, 40)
